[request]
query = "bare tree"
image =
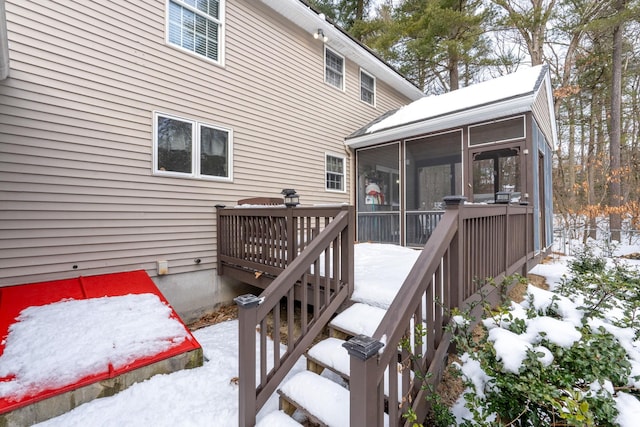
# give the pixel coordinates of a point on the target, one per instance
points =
(530, 22)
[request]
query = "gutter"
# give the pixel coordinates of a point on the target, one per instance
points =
(4, 43)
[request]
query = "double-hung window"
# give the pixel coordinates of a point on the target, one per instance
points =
(333, 68)
(188, 148)
(196, 25)
(367, 88)
(335, 172)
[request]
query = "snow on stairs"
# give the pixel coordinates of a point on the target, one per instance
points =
(324, 400)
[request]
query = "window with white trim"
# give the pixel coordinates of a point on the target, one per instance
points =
(335, 167)
(196, 25)
(333, 68)
(367, 88)
(188, 148)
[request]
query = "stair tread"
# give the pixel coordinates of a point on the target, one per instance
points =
(331, 354)
(358, 319)
(322, 399)
(319, 397)
(278, 419)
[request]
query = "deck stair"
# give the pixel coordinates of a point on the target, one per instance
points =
(358, 319)
(323, 398)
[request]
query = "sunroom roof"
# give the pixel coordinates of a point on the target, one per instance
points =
(510, 94)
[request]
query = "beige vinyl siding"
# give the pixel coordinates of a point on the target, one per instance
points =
(76, 122)
(542, 114)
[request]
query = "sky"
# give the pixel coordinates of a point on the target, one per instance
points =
(208, 395)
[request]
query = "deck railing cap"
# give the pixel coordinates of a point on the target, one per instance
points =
(363, 347)
(248, 300)
(453, 201)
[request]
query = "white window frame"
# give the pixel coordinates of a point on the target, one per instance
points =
(327, 172)
(343, 72)
(375, 96)
(221, 30)
(195, 149)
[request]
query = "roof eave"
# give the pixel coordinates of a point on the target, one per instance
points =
(307, 19)
(495, 110)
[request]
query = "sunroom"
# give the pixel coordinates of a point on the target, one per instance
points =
(491, 142)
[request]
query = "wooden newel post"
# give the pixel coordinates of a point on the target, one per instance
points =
(247, 320)
(365, 395)
(347, 240)
(456, 294)
(219, 240)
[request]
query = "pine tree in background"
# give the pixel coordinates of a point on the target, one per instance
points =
(346, 13)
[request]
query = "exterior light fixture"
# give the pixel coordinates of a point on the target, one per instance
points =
(503, 197)
(291, 198)
(319, 35)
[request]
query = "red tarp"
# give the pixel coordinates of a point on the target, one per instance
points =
(13, 299)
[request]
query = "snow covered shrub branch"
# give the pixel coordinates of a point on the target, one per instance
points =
(543, 362)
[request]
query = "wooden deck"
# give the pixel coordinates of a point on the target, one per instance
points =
(256, 244)
(286, 250)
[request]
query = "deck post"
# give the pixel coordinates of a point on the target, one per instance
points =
(219, 239)
(457, 254)
(364, 391)
(527, 239)
(347, 251)
(292, 236)
(247, 320)
(508, 241)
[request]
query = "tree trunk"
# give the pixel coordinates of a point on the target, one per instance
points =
(454, 74)
(571, 160)
(591, 166)
(359, 10)
(615, 190)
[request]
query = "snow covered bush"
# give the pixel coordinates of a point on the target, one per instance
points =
(604, 291)
(551, 360)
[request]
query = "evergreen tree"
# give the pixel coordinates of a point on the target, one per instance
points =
(346, 13)
(438, 44)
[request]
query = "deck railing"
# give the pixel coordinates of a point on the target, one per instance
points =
(319, 273)
(470, 243)
(256, 244)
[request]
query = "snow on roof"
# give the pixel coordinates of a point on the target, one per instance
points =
(508, 94)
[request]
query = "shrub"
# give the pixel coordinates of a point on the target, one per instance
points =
(555, 384)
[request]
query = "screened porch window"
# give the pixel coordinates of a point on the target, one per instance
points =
(378, 197)
(433, 171)
(496, 171)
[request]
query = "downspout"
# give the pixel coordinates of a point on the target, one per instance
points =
(4, 43)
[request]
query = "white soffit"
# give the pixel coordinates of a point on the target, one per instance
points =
(304, 17)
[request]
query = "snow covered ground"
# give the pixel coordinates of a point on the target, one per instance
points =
(208, 396)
